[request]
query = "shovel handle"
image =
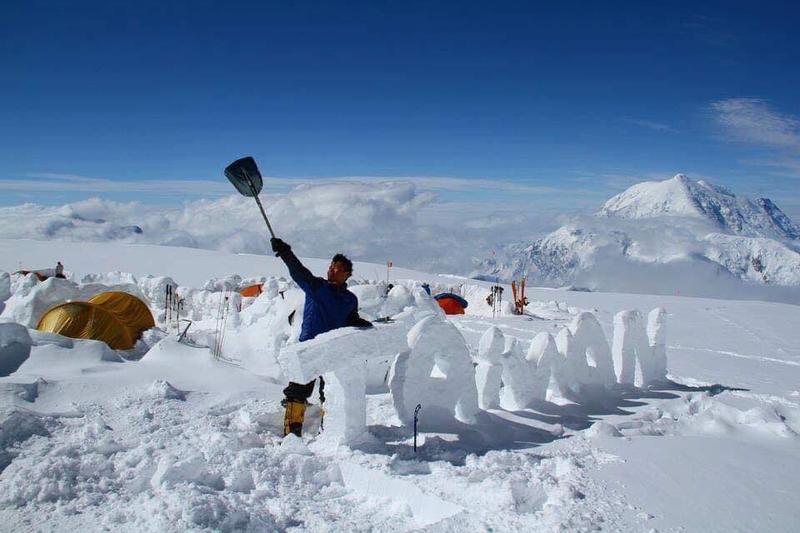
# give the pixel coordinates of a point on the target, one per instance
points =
(258, 201)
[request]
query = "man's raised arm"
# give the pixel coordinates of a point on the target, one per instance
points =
(307, 281)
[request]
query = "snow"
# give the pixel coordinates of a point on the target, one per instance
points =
(676, 236)
(178, 439)
(434, 371)
(681, 196)
(15, 347)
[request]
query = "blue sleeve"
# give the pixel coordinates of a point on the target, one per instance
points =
(307, 281)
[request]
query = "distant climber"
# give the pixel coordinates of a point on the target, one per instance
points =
(329, 305)
(59, 270)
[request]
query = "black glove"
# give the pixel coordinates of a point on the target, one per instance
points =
(279, 247)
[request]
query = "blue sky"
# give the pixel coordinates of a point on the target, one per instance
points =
(570, 100)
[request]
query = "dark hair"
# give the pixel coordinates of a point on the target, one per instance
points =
(340, 258)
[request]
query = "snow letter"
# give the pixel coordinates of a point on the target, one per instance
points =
(435, 372)
(489, 372)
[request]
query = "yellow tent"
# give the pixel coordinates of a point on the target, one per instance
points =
(128, 309)
(82, 320)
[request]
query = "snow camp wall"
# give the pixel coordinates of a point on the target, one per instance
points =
(432, 368)
(30, 299)
(576, 364)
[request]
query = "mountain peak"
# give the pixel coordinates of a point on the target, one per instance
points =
(681, 196)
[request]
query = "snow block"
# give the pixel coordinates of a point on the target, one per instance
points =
(491, 345)
(657, 335)
(5, 289)
(519, 385)
(436, 372)
(489, 372)
(341, 356)
(345, 406)
(341, 348)
(630, 344)
(589, 344)
(545, 362)
(15, 347)
(489, 380)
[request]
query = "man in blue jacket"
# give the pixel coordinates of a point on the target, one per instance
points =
(329, 305)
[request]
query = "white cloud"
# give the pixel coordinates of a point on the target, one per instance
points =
(70, 183)
(371, 221)
(54, 182)
(651, 125)
(753, 121)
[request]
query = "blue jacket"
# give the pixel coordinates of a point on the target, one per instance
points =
(327, 306)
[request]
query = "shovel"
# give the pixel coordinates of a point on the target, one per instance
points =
(244, 175)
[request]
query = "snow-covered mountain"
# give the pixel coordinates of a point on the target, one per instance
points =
(682, 197)
(673, 236)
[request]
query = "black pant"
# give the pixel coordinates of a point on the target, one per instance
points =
(301, 392)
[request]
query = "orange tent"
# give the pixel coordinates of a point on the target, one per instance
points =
(252, 291)
(452, 304)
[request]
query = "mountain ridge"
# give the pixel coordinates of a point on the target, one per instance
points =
(672, 236)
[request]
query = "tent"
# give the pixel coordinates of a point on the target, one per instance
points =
(252, 290)
(453, 304)
(83, 320)
(128, 309)
(41, 276)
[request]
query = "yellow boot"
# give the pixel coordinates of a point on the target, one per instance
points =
(294, 416)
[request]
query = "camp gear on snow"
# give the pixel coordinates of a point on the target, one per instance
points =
(294, 416)
(252, 291)
(245, 176)
(83, 320)
(520, 300)
(321, 403)
(128, 309)
(416, 419)
(188, 325)
(451, 303)
(495, 298)
(116, 318)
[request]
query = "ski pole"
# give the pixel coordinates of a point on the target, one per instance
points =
(416, 412)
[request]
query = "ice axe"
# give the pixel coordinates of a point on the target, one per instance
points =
(244, 175)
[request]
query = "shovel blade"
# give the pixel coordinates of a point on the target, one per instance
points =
(244, 175)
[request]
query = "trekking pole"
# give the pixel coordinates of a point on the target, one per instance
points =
(183, 335)
(416, 413)
(216, 326)
(224, 324)
(321, 404)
